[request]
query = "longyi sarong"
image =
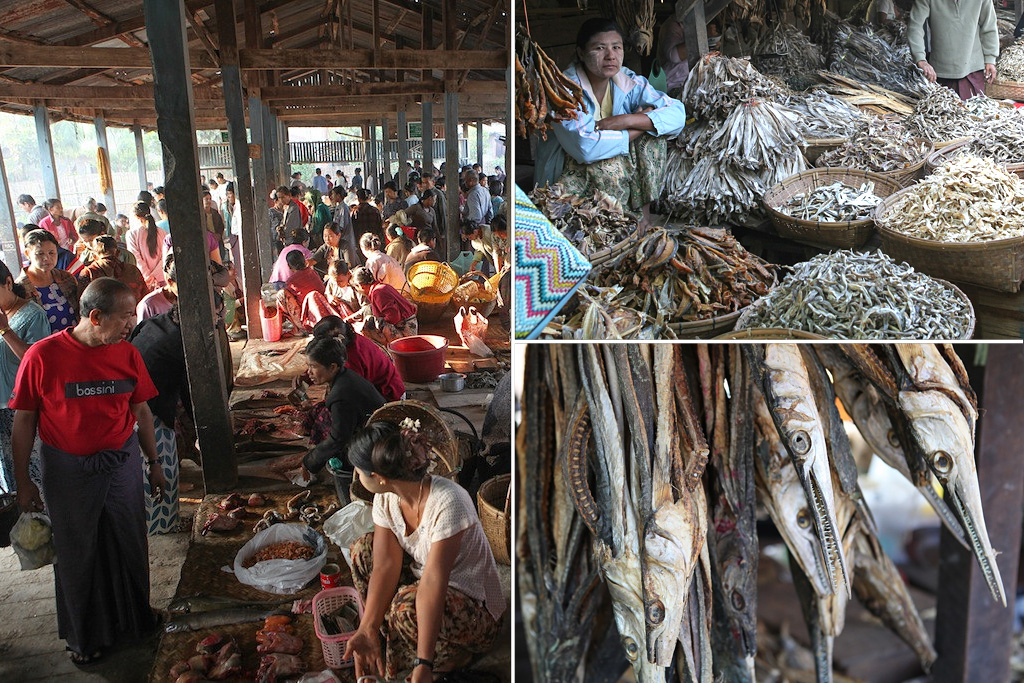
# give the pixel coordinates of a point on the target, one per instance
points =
(635, 179)
(96, 507)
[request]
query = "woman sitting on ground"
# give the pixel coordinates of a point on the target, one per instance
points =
(302, 298)
(400, 244)
(54, 289)
(364, 357)
(341, 294)
(390, 315)
(618, 141)
(297, 240)
(383, 267)
(160, 300)
(426, 574)
(105, 263)
(146, 243)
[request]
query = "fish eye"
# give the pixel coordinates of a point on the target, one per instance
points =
(942, 463)
(893, 440)
(803, 518)
(631, 649)
(738, 603)
(801, 442)
(655, 612)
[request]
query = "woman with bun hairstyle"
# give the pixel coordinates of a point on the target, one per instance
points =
(426, 574)
(384, 268)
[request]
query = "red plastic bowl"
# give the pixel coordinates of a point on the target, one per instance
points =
(419, 359)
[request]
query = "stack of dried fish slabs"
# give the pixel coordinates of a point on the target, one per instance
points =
(941, 115)
(823, 115)
(967, 199)
(786, 51)
(675, 275)
(835, 203)
(741, 145)
(590, 223)
(863, 54)
(880, 145)
(854, 295)
(1010, 66)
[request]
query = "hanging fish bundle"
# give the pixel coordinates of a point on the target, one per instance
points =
(636, 18)
(823, 115)
(879, 145)
(835, 203)
(941, 115)
(543, 92)
(717, 85)
(642, 467)
(862, 54)
(1010, 65)
(784, 50)
(591, 223)
(967, 199)
(856, 295)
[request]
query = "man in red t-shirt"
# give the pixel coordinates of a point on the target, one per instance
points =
(85, 389)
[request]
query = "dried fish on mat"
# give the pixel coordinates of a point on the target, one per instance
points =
(941, 115)
(1010, 66)
(591, 224)
(718, 84)
(543, 92)
(855, 295)
(880, 145)
(967, 199)
(863, 54)
(835, 203)
(784, 50)
(675, 275)
(823, 115)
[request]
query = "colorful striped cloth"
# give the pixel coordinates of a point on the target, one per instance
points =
(548, 269)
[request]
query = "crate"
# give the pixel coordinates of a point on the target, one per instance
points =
(327, 601)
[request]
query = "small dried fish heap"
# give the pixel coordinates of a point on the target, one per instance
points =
(641, 468)
(941, 115)
(1010, 66)
(967, 199)
(591, 224)
(543, 93)
(743, 143)
(784, 50)
(823, 115)
(1001, 139)
(879, 145)
(854, 295)
(862, 54)
(675, 275)
(835, 203)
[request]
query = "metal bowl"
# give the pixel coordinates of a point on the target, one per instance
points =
(452, 381)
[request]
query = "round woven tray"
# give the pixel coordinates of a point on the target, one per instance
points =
(996, 264)
(599, 258)
(909, 174)
(444, 450)
(743, 324)
(941, 156)
(943, 144)
(493, 506)
(707, 328)
(845, 235)
(1005, 90)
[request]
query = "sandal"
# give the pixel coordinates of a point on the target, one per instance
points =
(81, 659)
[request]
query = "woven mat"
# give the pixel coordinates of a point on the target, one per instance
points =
(323, 495)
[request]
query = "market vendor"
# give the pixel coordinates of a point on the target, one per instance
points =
(618, 142)
(426, 573)
(964, 43)
(303, 299)
(390, 314)
(364, 357)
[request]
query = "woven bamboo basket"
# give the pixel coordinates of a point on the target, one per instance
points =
(1005, 90)
(818, 146)
(493, 502)
(490, 291)
(912, 173)
(445, 458)
(943, 144)
(997, 265)
(845, 235)
(941, 156)
(599, 258)
(707, 328)
(769, 333)
(431, 284)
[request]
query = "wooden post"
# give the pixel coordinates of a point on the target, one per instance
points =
(271, 131)
(101, 142)
(176, 127)
(8, 224)
(140, 157)
(286, 154)
(510, 194)
(480, 145)
(261, 192)
(385, 139)
(374, 161)
(695, 30)
(246, 233)
(451, 168)
(47, 164)
(427, 138)
(974, 633)
(403, 150)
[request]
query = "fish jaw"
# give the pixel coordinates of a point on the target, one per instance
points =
(672, 545)
(947, 439)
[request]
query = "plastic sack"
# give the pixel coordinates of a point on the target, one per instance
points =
(281, 576)
(472, 329)
(32, 540)
(348, 524)
(325, 676)
(461, 263)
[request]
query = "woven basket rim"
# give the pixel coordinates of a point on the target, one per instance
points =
(771, 197)
(906, 170)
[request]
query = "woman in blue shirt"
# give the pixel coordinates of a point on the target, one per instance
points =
(618, 143)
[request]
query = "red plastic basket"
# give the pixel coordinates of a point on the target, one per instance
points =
(327, 601)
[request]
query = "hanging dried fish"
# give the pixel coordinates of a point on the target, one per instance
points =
(853, 295)
(636, 18)
(878, 145)
(863, 54)
(967, 199)
(543, 92)
(1010, 66)
(591, 224)
(784, 50)
(717, 85)
(833, 203)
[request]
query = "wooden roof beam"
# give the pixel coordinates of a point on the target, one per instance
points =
(129, 94)
(363, 59)
(103, 20)
(199, 28)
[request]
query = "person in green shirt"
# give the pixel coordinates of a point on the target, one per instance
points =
(964, 43)
(319, 216)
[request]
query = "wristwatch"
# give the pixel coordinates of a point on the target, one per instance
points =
(429, 663)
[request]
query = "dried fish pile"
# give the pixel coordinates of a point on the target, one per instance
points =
(863, 54)
(641, 470)
(967, 199)
(543, 92)
(1010, 65)
(854, 295)
(1001, 139)
(941, 115)
(986, 108)
(675, 275)
(784, 50)
(878, 145)
(823, 115)
(717, 85)
(835, 203)
(591, 223)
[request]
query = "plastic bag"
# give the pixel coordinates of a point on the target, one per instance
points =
(461, 263)
(281, 576)
(32, 540)
(472, 329)
(348, 524)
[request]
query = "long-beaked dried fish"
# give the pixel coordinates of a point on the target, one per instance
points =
(543, 93)
(863, 54)
(835, 203)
